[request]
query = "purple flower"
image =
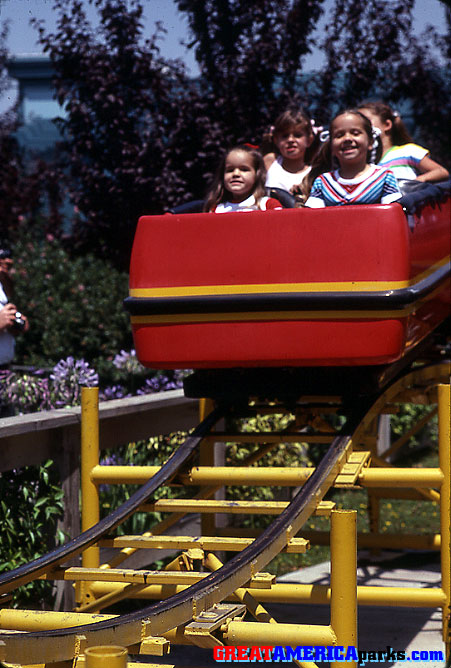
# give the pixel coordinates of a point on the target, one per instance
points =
(67, 377)
(111, 460)
(127, 361)
(25, 393)
(162, 383)
(114, 392)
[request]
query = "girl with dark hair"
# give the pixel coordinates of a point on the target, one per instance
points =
(399, 154)
(352, 148)
(297, 142)
(239, 184)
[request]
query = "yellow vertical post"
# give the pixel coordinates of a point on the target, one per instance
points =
(205, 407)
(106, 656)
(444, 446)
(343, 580)
(90, 512)
(207, 458)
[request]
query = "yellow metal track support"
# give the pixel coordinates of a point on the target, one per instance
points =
(343, 579)
(207, 458)
(444, 436)
(207, 543)
(106, 656)
(297, 594)
(89, 459)
(247, 585)
(342, 630)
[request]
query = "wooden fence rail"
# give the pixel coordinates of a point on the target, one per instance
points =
(32, 439)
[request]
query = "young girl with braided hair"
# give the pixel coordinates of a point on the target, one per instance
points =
(351, 151)
(400, 154)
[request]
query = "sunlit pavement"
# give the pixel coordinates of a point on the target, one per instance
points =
(400, 628)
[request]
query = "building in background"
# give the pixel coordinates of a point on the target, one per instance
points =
(37, 107)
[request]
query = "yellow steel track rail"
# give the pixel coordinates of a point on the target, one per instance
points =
(194, 593)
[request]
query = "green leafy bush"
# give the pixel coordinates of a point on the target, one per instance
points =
(30, 506)
(407, 417)
(74, 306)
(153, 452)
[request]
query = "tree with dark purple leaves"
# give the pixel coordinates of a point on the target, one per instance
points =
(140, 136)
(123, 104)
(250, 54)
(372, 52)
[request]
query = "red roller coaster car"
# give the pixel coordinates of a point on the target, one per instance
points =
(341, 286)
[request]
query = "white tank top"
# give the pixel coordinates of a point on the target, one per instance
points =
(278, 177)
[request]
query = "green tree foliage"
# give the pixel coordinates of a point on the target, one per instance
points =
(74, 305)
(31, 503)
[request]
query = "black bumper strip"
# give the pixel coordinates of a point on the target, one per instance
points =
(298, 301)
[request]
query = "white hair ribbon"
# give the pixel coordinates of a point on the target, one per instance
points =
(376, 139)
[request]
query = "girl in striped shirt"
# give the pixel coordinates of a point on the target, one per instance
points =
(399, 154)
(352, 149)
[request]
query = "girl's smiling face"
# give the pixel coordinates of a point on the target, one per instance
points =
(239, 175)
(350, 142)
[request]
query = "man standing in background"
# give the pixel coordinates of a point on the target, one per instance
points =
(11, 321)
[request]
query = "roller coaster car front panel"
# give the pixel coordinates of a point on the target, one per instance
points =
(342, 286)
